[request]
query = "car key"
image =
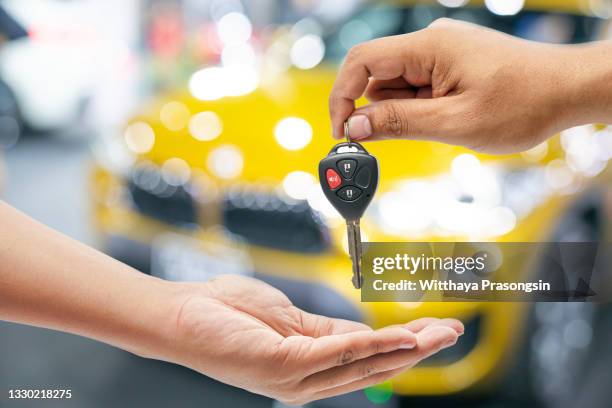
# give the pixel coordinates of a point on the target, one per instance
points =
(349, 178)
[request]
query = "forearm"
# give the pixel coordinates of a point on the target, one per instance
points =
(590, 83)
(49, 280)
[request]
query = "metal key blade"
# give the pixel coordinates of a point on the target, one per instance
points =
(353, 233)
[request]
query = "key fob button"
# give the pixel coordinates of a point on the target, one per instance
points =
(347, 168)
(349, 193)
(338, 173)
(363, 177)
(333, 178)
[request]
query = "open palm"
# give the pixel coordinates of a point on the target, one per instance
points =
(246, 333)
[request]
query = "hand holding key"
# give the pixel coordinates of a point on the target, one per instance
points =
(349, 178)
(458, 83)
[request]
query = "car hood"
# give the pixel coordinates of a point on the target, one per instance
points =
(249, 122)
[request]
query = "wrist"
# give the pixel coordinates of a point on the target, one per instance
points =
(147, 326)
(159, 331)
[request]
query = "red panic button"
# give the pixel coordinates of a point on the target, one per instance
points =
(333, 178)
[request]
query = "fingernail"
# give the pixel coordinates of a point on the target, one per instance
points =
(459, 329)
(410, 342)
(359, 127)
(408, 345)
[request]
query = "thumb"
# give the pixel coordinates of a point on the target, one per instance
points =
(398, 119)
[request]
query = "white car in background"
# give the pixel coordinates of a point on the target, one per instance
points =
(58, 72)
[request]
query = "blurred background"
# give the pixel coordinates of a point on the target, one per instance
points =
(182, 137)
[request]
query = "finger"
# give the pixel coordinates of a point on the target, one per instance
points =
(384, 94)
(407, 93)
(395, 88)
(424, 92)
(356, 385)
(418, 325)
(394, 83)
(340, 349)
(339, 326)
(359, 384)
(316, 326)
(429, 341)
(432, 339)
(401, 119)
(382, 59)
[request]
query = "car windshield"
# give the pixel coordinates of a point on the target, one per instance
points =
(389, 19)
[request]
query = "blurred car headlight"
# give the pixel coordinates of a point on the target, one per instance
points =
(481, 201)
(474, 200)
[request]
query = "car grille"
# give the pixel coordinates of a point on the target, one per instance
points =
(266, 219)
(260, 217)
(153, 197)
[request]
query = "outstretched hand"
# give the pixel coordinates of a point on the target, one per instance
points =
(235, 329)
(246, 333)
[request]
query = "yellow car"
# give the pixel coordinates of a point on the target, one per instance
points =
(220, 177)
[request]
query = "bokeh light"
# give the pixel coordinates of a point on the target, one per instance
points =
(380, 393)
(205, 126)
(536, 153)
(139, 137)
(239, 80)
(234, 28)
(453, 3)
(208, 84)
(239, 54)
(213, 83)
(505, 7)
(475, 181)
(112, 155)
(175, 171)
(400, 213)
(293, 133)
(174, 116)
(558, 175)
(277, 57)
(226, 161)
(297, 184)
(583, 150)
(501, 221)
(308, 51)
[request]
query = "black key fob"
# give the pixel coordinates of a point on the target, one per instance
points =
(349, 178)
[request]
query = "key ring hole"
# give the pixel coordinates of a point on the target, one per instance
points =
(346, 133)
(348, 149)
(344, 147)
